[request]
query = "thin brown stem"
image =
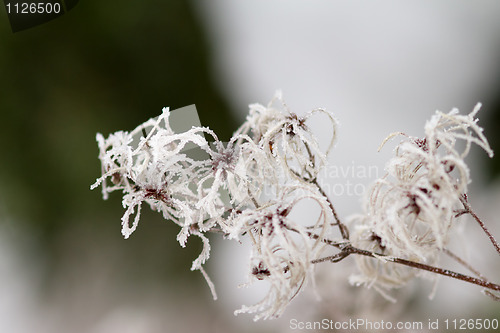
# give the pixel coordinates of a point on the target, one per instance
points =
(469, 210)
(344, 231)
(448, 273)
(253, 199)
(334, 258)
(348, 249)
(473, 270)
(463, 263)
(338, 245)
(490, 294)
(460, 213)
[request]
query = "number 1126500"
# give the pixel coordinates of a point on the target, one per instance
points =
(33, 8)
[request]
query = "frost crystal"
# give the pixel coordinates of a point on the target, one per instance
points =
(409, 212)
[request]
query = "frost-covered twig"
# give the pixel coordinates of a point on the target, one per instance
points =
(349, 249)
(468, 210)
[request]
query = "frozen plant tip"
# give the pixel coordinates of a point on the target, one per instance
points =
(410, 212)
(248, 189)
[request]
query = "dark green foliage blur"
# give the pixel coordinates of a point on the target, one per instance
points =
(103, 66)
(492, 129)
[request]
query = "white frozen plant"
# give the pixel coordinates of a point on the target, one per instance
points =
(411, 210)
(247, 188)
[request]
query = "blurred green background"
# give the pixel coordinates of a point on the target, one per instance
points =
(102, 67)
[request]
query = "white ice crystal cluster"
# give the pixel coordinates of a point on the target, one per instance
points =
(410, 212)
(245, 189)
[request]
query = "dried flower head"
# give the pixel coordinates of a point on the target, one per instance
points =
(409, 212)
(286, 138)
(245, 188)
(282, 249)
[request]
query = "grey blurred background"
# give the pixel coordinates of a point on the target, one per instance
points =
(380, 66)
